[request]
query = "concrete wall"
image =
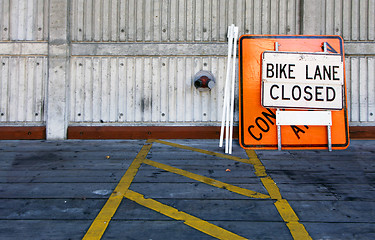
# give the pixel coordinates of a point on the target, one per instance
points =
(131, 62)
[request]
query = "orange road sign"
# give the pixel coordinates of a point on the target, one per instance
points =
(257, 124)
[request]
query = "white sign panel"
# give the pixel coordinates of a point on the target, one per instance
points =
(302, 80)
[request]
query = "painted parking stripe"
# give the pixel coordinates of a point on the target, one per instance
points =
(234, 158)
(207, 180)
(286, 212)
(101, 221)
(260, 170)
(194, 222)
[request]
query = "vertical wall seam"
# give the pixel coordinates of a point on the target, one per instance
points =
(8, 91)
(25, 90)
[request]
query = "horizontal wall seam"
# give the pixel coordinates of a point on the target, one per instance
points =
(359, 48)
(148, 49)
(183, 49)
(24, 48)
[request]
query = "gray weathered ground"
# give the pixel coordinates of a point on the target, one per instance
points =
(54, 190)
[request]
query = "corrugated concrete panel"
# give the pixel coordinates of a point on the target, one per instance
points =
(159, 24)
(25, 20)
(144, 89)
(179, 20)
(361, 90)
(22, 86)
(354, 20)
(23, 61)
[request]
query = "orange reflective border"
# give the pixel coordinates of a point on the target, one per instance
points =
(257, 125)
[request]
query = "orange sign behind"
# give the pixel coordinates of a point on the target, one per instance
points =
(258, 124)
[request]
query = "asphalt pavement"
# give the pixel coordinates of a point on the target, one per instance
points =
(184, 189)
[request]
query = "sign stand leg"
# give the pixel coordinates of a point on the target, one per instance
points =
(329, 138)
(279, 137)
(278, 133)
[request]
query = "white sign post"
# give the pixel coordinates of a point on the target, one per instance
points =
(228, 106)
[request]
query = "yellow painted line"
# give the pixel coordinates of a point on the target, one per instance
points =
(207, 180)
(234, 158)
(298, 231)
(101, 221)
(194, 222)
(271, 187)
(286, 212)
(260, 170)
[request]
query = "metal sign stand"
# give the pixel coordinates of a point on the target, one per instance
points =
(314, 118)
